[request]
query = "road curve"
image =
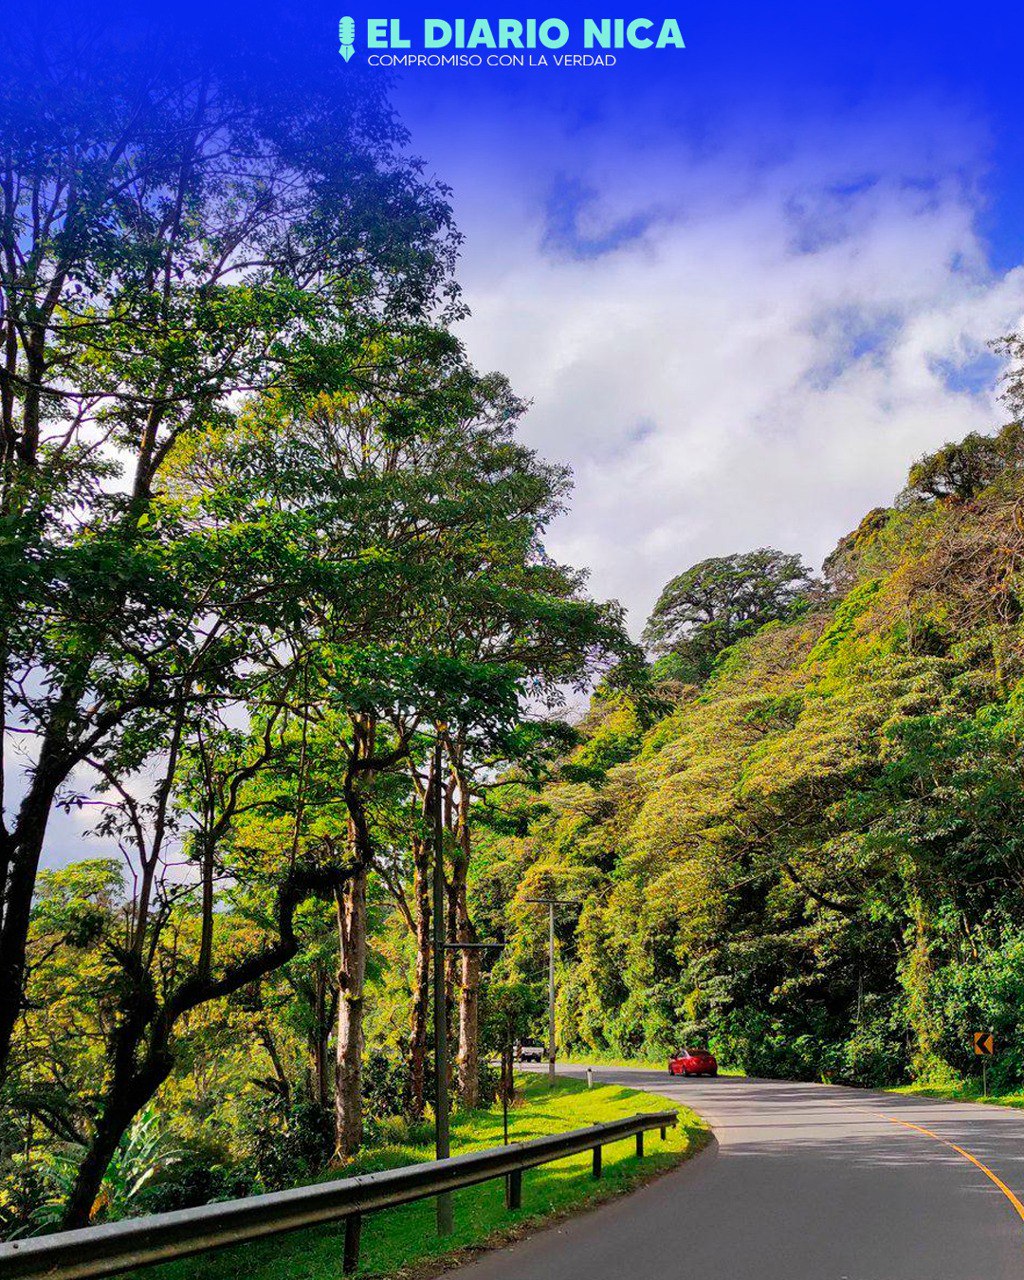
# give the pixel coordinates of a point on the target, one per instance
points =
(804, 1182)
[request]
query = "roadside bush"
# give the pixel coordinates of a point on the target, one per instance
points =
(875, 1055)
(23, 1191)
(201, 1174)
(282, 1145)
(987, 995)
(489, 1081)
(385, 1086)
(390, 1131)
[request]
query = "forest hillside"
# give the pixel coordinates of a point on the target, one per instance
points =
(810, 853)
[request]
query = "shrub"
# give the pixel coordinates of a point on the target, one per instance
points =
(283, 1145)
(385, 1086)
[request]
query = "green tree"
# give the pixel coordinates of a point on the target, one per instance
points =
(713, 604)
(812, 860)
(339, 567)
(962, 469)
(511, 1010)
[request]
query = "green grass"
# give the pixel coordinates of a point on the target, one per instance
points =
(961, 1091)
(403, 1241)
(610, 1060)
(601, 1059)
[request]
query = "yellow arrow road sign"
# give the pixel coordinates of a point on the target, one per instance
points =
(984, 1044)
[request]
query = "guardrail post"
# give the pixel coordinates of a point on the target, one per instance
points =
(514, 1190)
(353, 1231)
(640, 1145)
(597, 1162)
(664, 1133)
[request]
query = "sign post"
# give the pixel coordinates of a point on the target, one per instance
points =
(984, 1048)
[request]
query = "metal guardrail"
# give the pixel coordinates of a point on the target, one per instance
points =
(134, 1242)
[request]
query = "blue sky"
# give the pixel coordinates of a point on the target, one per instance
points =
(743, 284)
(747, 284)
(795, 59)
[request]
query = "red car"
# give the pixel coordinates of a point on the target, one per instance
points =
(692, 1062)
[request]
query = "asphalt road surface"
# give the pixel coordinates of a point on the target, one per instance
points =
(804, 1182)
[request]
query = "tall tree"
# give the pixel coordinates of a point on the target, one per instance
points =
(341, 565)
(713, 604)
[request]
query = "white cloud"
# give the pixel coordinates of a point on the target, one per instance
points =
(763, 360)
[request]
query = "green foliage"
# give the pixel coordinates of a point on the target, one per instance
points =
(143, 1156)
(270, 247)
(812, 861)
(512, 1011)
(280, 1143)
(844, 620)
(713, 604)
(385, 1086)
(612, 733)
(962, 470)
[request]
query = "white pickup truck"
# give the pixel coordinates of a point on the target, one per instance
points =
(529, 1051)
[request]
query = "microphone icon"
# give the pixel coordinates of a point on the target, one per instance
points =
(347, 37)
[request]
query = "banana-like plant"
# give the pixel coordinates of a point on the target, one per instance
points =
(142, 1154)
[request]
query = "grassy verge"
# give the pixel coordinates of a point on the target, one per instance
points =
(403, 1241)
(648, 1064)
(960, 1092)
(610, 1060)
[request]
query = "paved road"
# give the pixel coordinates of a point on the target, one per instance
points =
(804, 1182)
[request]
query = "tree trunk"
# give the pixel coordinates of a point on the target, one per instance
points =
(348, 1095)
(22, 850)
(469, 1030)
(144, 1023)
(320, 1074)
(89, 1178)
(124, 1103)
(421, 980)
(468, 1057)
(322, 1014)
(22, 855)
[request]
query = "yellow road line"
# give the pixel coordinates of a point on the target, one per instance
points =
(967, 1156)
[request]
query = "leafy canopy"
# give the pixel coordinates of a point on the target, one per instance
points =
(711, 605)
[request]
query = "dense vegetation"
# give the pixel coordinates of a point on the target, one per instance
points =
(812, 856)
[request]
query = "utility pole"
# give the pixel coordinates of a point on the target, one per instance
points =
(551, 903)
(551, 994)
(442, 1145)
